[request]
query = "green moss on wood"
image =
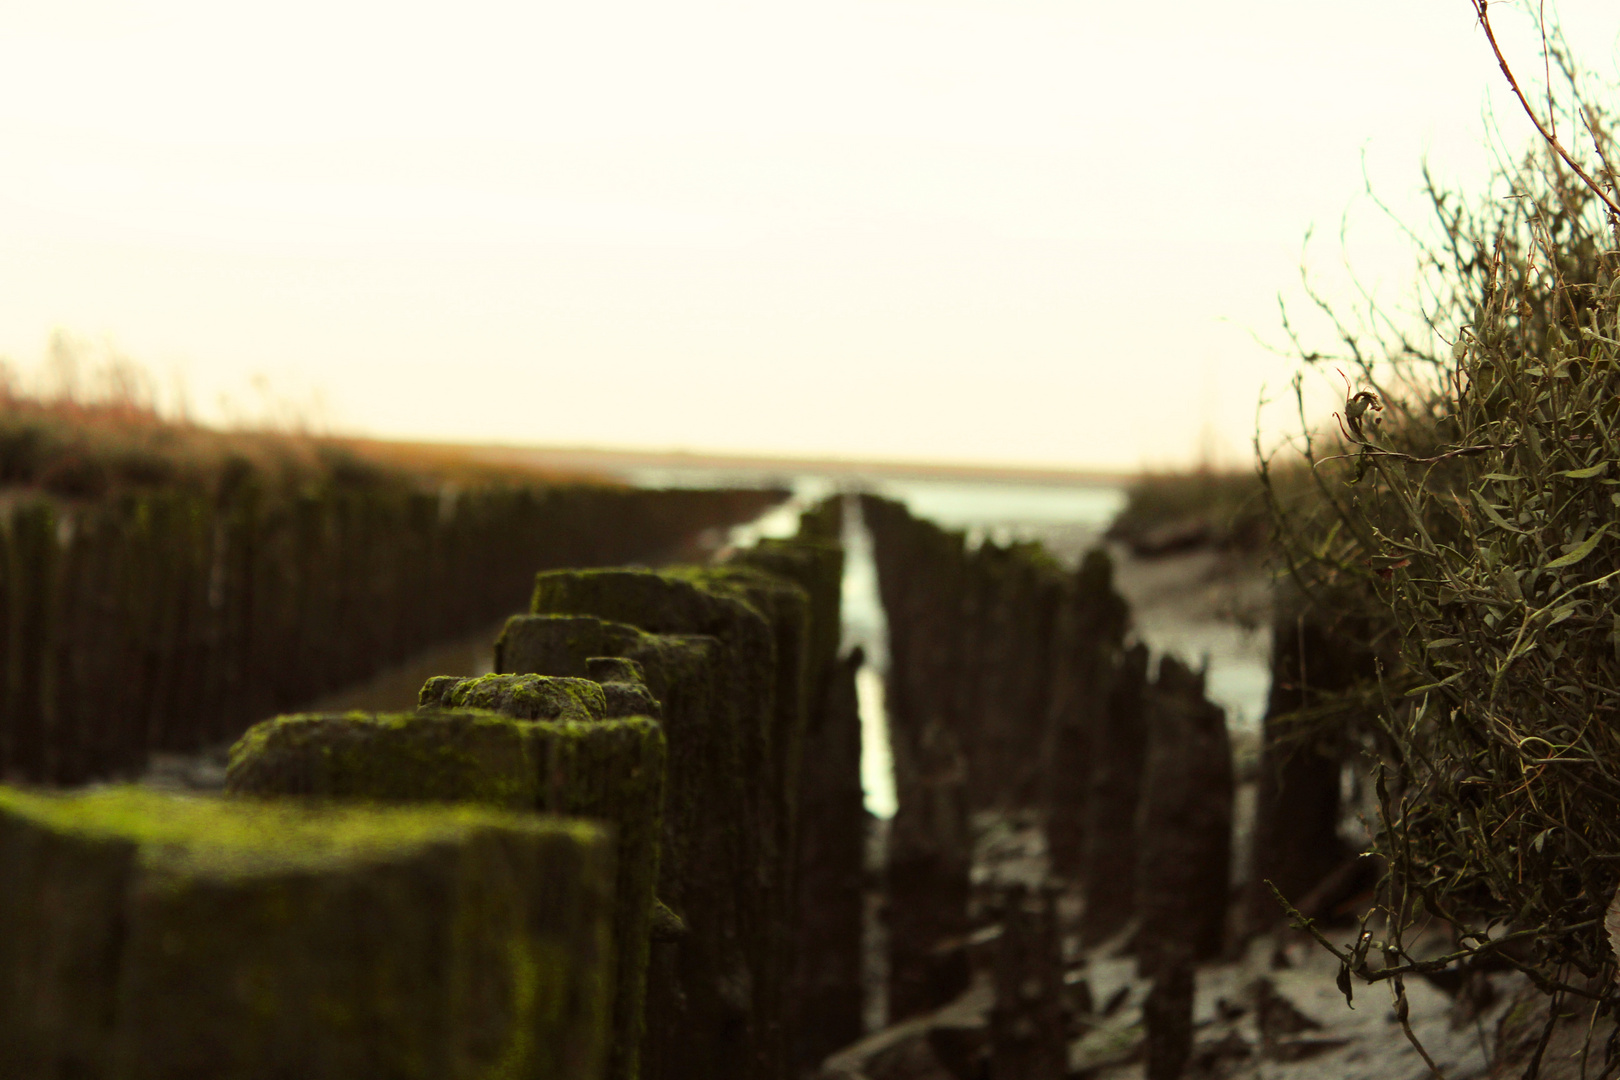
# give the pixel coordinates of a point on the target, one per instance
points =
(614, 771)
(816, 566)
(615, 669)
(150, 935)
(734, 984)
(522, 697)
(702, 864)
(460, 755)
(824, 521)
(607, 770)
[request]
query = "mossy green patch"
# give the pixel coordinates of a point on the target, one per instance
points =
(607, 770)
(522, 697)
(703, 870)
(461, 755)
(614, 771)
(155, 936)
(615, 669)
(182, 832)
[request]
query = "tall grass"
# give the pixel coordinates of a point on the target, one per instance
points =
(89, 427)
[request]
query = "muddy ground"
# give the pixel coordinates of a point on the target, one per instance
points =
(1273, 1011)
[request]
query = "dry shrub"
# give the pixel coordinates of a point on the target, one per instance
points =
(1466, 507)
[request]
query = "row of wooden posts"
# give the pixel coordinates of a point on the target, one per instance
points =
(170, 621)
(739, 815)
(1011, 687)
(279, 935)
(1015, 686)
(741, 834)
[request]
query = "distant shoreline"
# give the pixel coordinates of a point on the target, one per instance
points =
(567, 459)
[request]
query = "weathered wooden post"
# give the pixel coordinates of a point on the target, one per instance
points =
(1011, 611)
(551, 748)
(922, 579)
(30, 701)
(1183, 873)
(1168, 1016)
(756, 705)
(152, 937)
(1090, 640)
(693, 977)
(1296, 830)
(824, 990)
(1028, 1040)
(1119, 750)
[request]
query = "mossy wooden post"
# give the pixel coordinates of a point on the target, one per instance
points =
(307, 669)
(8, 597)
(385, 532)
(158, 541)
(614, 770)
(415, 567)
(1296, 827)
(33, 609)
(521, 697)
(175, 618)
(1168, 1016)
(359, 563)
(146, 591)
(828, 986)
(824, 521)
(1028, 1040)
(1088, 644)
(181, 552)
(808, 625)
(99, 660)
(762, 622)
(786, 603)
(275, 630)
(1013, 600)
(1119, 751)
(234, 602)
(824, 985)
(200, 602)
(921, 578)
(694, 1006)
(559, 755)
(1184, 822)
(151, 937)
(69, 656)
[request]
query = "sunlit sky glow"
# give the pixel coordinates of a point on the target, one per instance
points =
(1018, 231)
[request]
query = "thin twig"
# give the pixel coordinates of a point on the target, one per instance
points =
(1401, 1010)
(1461, 451)
(1533, 1070)
(1551, 139)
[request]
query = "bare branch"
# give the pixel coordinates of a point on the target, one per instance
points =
(1550, 138)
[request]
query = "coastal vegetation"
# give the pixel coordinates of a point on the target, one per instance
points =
(103, 436)
(1167, 511)
(1461, 523)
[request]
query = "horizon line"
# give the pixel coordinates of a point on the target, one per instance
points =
(598, 458)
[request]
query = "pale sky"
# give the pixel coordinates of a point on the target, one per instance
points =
(1024, 231)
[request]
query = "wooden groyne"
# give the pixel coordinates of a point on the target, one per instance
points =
(648, 820)
(1013, 691)
(169, 621)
